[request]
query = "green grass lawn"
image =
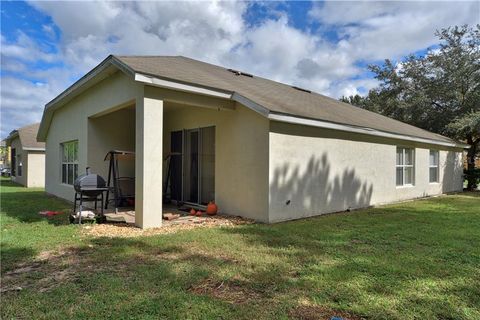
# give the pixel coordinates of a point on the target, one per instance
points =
(415, 260)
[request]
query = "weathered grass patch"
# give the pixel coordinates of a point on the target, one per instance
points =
(416, 260)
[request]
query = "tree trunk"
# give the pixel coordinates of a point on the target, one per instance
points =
(471, 178)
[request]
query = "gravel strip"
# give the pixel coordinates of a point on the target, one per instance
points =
(127, 230)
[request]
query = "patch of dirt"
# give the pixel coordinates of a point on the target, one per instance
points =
(126, 230)
(312, 312)
(36, 274)
(50, 269)
(231, 292)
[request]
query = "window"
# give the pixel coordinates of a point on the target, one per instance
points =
(19, 165)
(434, 167)
(13, 162)
(405, 166)
(69, 162)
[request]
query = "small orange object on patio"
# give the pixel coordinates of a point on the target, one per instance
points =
(212, 208)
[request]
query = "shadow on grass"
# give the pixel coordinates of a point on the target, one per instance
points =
(23, 205)
(138, 277)
(170, 276)
(15, 256)
(381, 262)
(413, 255)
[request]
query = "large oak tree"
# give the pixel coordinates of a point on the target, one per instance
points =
(438, 91)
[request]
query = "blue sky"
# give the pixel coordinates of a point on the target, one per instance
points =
(322, 46)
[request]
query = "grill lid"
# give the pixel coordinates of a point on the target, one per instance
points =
(89, 181)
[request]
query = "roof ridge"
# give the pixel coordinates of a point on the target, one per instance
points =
(28, 125)
(145, 56)
(292, 85)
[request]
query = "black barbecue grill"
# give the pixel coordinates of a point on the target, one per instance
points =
(88, 188)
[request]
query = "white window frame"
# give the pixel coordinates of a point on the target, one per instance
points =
(405, 167)
(437, 166)
(73, 161)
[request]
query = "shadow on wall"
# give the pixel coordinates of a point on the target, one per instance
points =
(295, 194)
(452, 173)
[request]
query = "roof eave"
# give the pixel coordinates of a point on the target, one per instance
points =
(180, 86)
(33, 149)
(197, 89)
(14, 134)
(361, 130)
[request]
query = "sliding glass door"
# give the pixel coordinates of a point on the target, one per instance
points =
(195, 182)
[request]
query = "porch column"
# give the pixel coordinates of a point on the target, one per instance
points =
(148, 161)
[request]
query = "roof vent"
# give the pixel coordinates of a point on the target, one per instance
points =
(240, 73)
(301, 89)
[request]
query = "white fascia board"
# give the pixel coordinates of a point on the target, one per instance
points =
(174, 85)
(250, 104)
(368, 131)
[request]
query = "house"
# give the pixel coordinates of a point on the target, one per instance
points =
(27, 156)
(259, 148)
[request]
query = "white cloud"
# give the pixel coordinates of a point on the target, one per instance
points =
(276, 50)
(198, 29)
(390, 29)
(18, 103)
(217, 32)
(25, 48)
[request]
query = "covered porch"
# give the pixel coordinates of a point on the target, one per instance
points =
(172, 136)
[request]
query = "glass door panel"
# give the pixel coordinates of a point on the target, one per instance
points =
(207, 165)
(191, 147)
(176, 141)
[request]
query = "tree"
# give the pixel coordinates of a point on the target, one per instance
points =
(356, 100)
(438, 91)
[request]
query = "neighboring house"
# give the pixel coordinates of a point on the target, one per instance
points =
(27, 156)
(259, 148)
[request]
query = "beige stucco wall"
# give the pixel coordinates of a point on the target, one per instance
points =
(113, 131)
(241, 155)
(36, 169)
(71, 123)
(323, 171)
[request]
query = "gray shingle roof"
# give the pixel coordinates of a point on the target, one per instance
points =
(274, 96)
(28, 136)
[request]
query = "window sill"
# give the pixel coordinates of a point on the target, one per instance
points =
(434, 182)
(405, 186)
